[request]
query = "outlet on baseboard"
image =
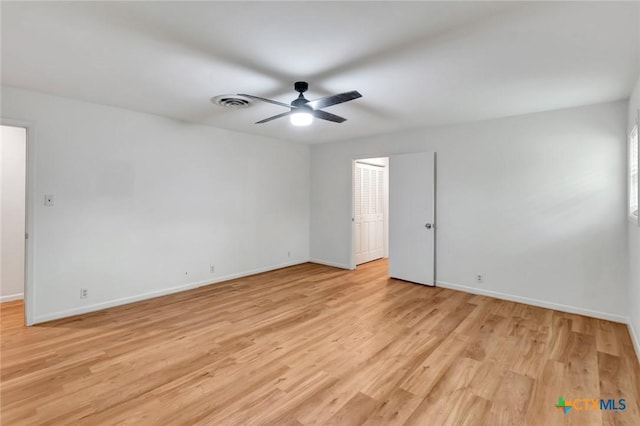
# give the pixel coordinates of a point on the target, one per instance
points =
(289, 253)
(84, 293)
(212, 269)
(479, 277)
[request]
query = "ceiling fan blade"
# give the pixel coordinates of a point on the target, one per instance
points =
(334, 99)
(284, 114)
(266, 100)
(328, 116)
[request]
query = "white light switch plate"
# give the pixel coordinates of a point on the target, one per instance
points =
(48, 200)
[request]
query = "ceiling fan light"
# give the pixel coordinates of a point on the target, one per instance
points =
(301, 118)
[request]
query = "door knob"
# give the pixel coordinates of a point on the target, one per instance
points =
(428, 225)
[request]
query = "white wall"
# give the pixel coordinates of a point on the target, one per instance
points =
(634, 241)
(144, 205)
(533, 202)
(13, 150)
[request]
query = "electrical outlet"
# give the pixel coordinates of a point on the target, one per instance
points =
(48, 200)
(84, 293)
(479, 278)
(212, 269)
(289, 254)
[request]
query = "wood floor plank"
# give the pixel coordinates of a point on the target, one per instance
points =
(468, 410)
(547, 388)
(354, 412)
(606, 338)
(311, 344)
(615, 383)
(510, 402)
(426, 375)
(395, 409)
(438, 403)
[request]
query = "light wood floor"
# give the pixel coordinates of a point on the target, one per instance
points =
(316, 345)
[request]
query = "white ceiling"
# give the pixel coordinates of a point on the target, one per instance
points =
(417, 64)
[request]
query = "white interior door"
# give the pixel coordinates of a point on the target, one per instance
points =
(368, 212)
(412, 217)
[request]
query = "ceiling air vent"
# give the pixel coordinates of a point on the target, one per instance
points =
(232, 101)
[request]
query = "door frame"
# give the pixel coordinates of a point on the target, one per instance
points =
(352, 258)
(351, 218)
(30, 204)
(385, 248)
(435, 217)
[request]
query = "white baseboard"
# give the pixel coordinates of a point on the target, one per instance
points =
(536, 302)
(149, 295)
(10, 297)
(635, 338)
(327, 263)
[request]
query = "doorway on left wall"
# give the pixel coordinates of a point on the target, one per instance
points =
(13, 167)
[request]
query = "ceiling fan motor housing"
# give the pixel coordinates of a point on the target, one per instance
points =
(301, 86)
(300, 102)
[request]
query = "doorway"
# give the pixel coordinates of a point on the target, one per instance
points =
(370, 209)
(13, 168)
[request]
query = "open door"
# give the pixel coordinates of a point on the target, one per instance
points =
(412, 198)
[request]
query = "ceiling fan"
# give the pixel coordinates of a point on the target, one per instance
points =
(302, 111)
